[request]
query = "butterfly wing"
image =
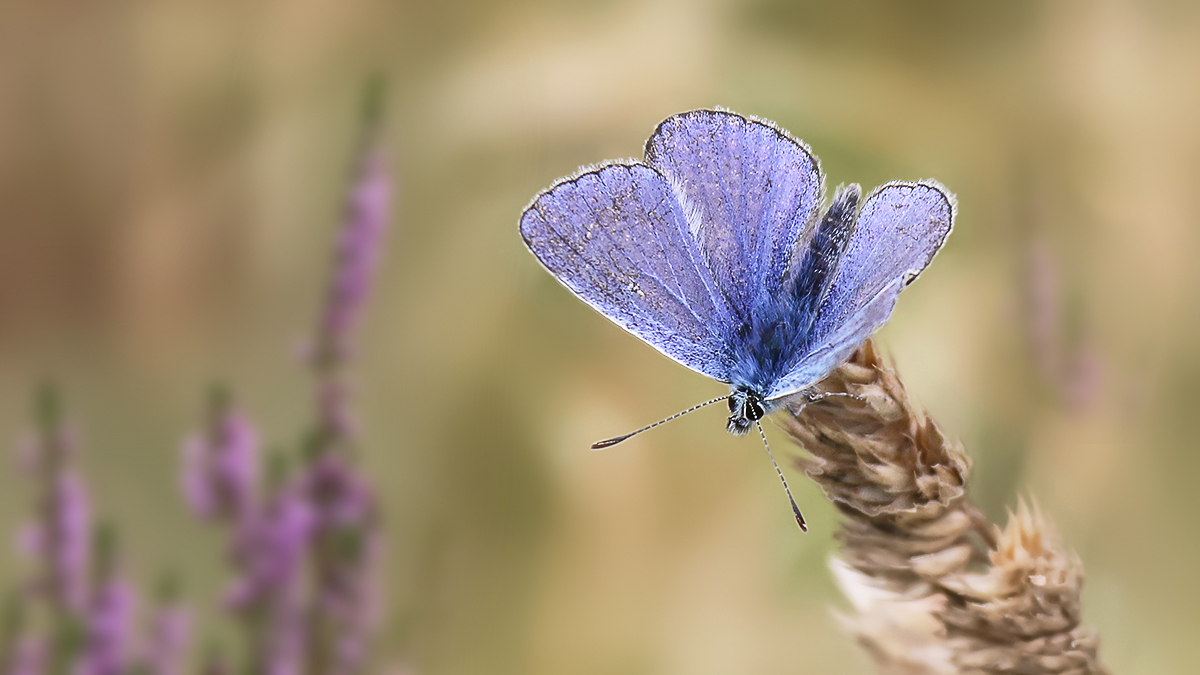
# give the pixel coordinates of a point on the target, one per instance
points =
(900, 228)
(748, 189)
(618, 238)
(819, 261)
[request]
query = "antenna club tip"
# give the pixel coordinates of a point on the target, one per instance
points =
(802, 524)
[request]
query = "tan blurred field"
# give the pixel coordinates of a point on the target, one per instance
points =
(170, 180)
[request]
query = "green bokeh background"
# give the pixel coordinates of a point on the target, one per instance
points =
(170, 182)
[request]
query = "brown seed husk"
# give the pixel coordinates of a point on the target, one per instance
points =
(934, 587)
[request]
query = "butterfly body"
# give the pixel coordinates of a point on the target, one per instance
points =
(715, 251)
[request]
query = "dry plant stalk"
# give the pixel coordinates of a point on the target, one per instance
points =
(935, 588)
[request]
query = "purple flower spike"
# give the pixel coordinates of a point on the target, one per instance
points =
(287, 641)
(60, 538)
(166, 648)
(61, 541)
(367, 212)
(305, 550)
(354, 602)
(220, 475)
(347, 585)
(333, 407)
(269, 549)
(108, 620)
(28, 657)
(343, 497)
(346, 541)
(70, 540)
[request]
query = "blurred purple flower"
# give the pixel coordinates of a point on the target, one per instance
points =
(354, 602)
(349, 544)
(61, 542)
(48, 448)
(28, 657)
(167, 642)
(29, 451)
(107, 623)
(220, 467)
(1045, 313)
(60, 538)
(333, 408)
(305, 548)
(305, 552)
(287, 638)
(341, 497)
(359, 243)
(65, 541)
(345, 591)
(1070, 363)
(269, 548)
(1084, 378)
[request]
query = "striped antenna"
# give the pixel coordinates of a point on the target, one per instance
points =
(788, 490)
(600, 445)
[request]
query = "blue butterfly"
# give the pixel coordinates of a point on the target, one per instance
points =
(714, 251)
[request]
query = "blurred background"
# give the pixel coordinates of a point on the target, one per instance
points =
(171, 177)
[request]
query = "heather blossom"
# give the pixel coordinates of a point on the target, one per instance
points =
(357, 253)
(28, 657)
(168, 637)
(305, 549)
(346, 542)
(59, 539)
(269, 548)
(108, 623)
(220, 470)
(303, 543)
(346, 521)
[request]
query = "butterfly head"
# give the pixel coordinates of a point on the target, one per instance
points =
(745, 408)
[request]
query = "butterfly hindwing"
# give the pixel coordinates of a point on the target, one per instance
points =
(618, 238)
(820, 260)
(900, 228)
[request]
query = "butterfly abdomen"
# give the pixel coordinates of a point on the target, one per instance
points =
(781, 324)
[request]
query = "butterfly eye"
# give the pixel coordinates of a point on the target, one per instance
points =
(754, 410)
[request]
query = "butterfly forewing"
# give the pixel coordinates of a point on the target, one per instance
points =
(618, 238)
(749, 190)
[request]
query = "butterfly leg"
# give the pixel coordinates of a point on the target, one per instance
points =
(814, 396)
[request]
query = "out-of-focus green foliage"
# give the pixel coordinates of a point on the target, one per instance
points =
(170, 177)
